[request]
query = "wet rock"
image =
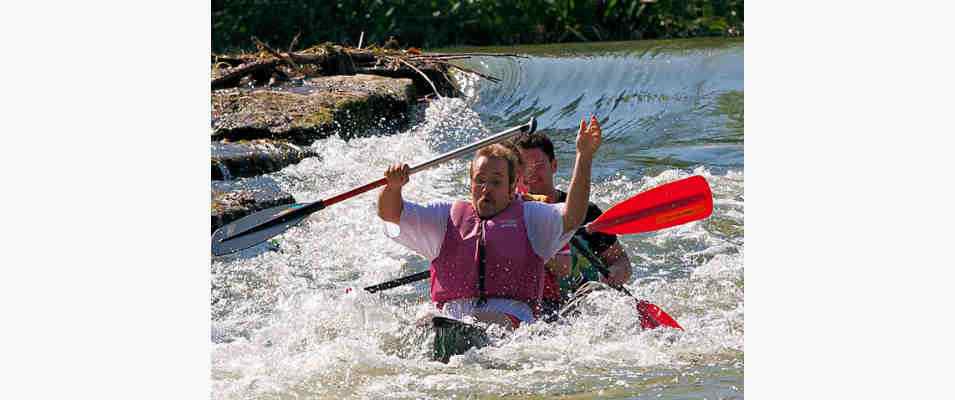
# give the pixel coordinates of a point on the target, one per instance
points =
(232, 200)
(256, 157)
(350, 105)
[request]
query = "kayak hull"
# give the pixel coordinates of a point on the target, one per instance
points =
(453, 337)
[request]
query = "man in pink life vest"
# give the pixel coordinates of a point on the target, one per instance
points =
(487, 255)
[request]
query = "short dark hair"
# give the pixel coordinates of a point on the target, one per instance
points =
(537, 140)
(502, 152)
(517, 153)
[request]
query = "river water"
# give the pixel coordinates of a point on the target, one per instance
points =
(285, 325)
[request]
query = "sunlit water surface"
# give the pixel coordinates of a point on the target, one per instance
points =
(285, 326)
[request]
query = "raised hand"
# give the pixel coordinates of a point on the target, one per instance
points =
(589, 136)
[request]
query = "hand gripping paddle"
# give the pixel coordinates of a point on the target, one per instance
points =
(263, 225)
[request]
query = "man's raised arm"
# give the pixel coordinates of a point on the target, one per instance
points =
(390, 202)
(578, 196)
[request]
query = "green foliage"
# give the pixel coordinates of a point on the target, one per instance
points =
(434, 23)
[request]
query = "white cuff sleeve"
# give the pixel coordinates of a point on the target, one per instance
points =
(421, 228)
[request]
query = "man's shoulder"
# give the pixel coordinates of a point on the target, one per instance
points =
(534, 197)
(596, 240)
(431, 203)
(593, 210)
(432, 208)
(534, 204)
(560, 195)
(535, 210)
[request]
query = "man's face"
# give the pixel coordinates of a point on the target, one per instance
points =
(538, 171)
(491, 192)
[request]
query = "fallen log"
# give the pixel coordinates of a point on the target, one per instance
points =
(231, 77)
(328, 59)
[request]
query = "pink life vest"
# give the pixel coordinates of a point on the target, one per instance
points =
(512, 269)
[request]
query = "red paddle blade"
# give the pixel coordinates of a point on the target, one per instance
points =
(664, 206)
(652, 316)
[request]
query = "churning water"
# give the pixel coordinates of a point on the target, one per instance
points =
(285, 326)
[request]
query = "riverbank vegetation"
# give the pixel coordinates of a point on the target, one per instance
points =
(438, 23)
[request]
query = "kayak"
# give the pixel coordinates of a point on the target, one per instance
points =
(453, 337)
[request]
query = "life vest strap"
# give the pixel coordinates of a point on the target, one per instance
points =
(482, 267)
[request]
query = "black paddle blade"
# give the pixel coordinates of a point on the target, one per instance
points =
(222, 247)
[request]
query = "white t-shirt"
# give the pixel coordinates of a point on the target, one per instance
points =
(422, 228)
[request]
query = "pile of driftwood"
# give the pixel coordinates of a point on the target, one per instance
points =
(271, 67)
